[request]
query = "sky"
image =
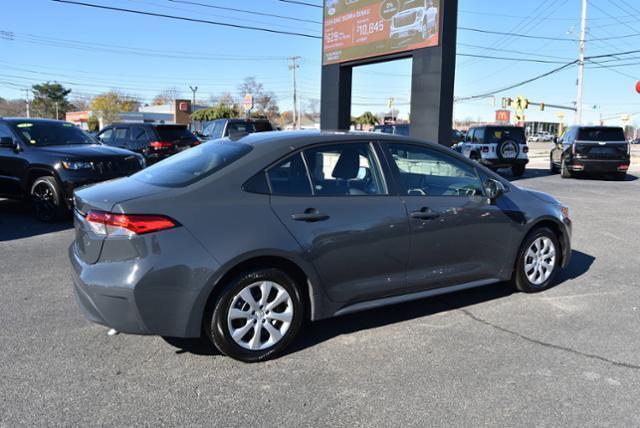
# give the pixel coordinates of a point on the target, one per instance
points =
(91, 51)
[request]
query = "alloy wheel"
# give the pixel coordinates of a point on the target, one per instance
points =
(540, 260)
(260, 315)
(44, 200)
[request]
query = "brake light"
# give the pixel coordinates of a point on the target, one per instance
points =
(623, 167)
(104, 223)
(485, 149)
(573, 148)
(161, 145)
(525, 149)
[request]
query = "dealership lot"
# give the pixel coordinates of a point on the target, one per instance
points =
(486, 356)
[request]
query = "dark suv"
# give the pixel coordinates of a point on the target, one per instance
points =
(45, 160)
(591, 149)
(153, 141)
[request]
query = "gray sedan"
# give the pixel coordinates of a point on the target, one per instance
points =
(239, 242)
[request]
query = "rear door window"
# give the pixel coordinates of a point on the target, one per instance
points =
(175, 133)
(345, 170)
(106, 136)
(121, 137)
(289, 177)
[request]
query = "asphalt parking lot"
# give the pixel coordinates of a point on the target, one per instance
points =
(488, 356)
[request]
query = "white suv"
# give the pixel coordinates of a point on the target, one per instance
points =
(497, 147)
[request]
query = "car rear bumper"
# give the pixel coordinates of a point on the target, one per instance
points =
(504, 163)
(149, 285)
(598, 165)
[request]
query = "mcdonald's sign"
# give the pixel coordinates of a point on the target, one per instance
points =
(503, 116)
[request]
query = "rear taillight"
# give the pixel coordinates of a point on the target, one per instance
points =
(161, 145)
(104, 223)
(623, 167)
(485, 149)
(525, 149)
(573, 148)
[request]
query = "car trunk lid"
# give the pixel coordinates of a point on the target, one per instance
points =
(602, 150)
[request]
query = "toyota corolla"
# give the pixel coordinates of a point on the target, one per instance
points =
(239, 242)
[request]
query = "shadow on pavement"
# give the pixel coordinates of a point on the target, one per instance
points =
(17, 222)
(314, 333)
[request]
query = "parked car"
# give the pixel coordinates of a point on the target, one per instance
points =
(222, 128)
(239, 242)
(153, 141)
(541, 137)
(636, 141)
(43, 161)
(399, 129)
(597, 150)
(404, 129)
(497, 147)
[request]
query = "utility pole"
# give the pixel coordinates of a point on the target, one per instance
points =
(194, 89)
(26, 91)
(294, 88)
(583, 34)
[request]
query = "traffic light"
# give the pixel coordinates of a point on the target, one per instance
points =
(541, 106)
(506, 102)
(524, 103)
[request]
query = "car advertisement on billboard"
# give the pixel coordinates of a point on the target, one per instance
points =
(358, 29)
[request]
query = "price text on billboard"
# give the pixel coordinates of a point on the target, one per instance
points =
(358, 29)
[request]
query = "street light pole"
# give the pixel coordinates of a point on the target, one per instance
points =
(194, 89)
(294, 89)
(57, 109)
(583, 33)
(27, 102)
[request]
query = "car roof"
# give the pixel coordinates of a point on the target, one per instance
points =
(294, 139)
(31, 119)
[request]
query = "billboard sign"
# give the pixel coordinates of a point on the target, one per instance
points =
(359, 29)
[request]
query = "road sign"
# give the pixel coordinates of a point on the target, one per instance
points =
(248, 102)
(503, 116)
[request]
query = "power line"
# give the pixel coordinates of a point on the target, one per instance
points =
(516, 85)
(526, 36)
(246, 11)
(302, 3)
(182, 18)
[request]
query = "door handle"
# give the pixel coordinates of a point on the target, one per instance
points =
(310, 215)
(424, 214)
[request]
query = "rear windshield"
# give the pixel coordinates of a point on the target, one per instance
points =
(174, 133)
(601, 134)
(193, 165)
(495, 135)
(402, 130)
(52, 133)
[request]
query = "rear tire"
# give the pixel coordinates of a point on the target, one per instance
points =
(564, 171)
(256, 316)
(553, 168)
(46, 199)
(620, 176)
(538, 261)
(518, 170)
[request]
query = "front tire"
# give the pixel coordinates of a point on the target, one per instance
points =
(538, 261)
(257, 315)
(46, 199)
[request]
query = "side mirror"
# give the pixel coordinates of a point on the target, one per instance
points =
(494, 189)
(7, 143)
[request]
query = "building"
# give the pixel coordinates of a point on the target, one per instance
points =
(532, 128)
(178, 112)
